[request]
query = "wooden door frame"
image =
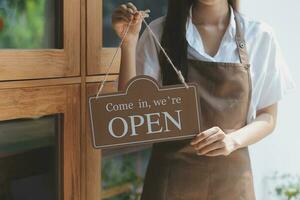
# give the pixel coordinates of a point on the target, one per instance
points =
(40, 101)
(60, 70)
(79, 71)
(98, 57)
(94, 58)
(47, 63)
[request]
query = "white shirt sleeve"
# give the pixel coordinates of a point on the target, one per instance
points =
(147, 61)
(277, 81)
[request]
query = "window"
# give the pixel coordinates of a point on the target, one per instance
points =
(29, 158)
(31, 24)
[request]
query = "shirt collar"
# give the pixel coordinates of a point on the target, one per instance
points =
(194, 39)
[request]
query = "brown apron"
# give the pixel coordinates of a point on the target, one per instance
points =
(175, 172)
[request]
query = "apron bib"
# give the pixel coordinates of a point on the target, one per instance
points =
(175, 172)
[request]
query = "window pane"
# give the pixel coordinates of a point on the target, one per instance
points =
(29, 158)
(31, 24)
(110, 39)
(123, 175)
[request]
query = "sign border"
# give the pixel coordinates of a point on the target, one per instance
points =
(148, 78)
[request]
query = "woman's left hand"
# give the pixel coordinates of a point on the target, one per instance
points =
(214, 142)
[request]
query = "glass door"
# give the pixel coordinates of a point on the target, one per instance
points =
(29, 158)
(40, 143)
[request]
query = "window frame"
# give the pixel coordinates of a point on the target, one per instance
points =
(32, 102)
(16, 64)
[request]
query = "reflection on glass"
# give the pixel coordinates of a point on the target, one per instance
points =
(110, 39)
(123, 175)
(29, 158)
(30, 24)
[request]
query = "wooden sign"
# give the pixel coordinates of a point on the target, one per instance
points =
(144, 113)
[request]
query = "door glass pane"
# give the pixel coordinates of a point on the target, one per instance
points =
(31, 24)
(29, 158)
(110, 39)
(123, 175)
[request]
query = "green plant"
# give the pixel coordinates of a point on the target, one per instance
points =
(127, 168)
(23, 23)
(287, 186)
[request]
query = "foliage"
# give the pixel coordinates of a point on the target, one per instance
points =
(123, 169)
(287, 186)
(24, 23)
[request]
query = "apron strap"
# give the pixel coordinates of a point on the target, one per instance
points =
(240, 40)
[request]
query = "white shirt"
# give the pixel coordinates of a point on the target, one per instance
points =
(271, 78)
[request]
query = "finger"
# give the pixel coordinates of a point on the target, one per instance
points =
(132, 6)
(201, 136)
(140, 15)
(123, 7)
(123, 12)
(211, 147)
(211, 139)
(126, 10)
(118, 16)
(121, 19)
(137, 18)
(131, 11)
(144, 15)
(217, 152)
(147, 11)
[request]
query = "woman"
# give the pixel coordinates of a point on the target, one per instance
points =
(237, 64)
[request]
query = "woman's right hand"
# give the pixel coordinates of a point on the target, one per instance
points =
(121, 18)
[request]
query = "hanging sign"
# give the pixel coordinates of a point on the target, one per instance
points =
(144, 113)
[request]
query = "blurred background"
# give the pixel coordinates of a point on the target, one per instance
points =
(30, 24)
(279, 153)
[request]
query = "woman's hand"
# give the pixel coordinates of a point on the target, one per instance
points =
(121, 18)
(124, 15)
(214, 142)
